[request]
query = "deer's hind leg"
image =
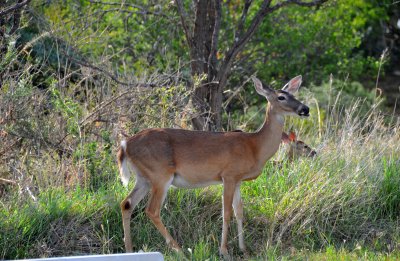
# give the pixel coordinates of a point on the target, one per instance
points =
(159, 189)
(128, 204)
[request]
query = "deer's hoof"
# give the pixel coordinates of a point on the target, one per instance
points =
(244, 252)
(174, 245)
(223, 252)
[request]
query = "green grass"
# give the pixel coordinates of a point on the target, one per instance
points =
(342, 205)
(300, 211)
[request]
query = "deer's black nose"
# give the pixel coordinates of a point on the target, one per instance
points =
(304, 111)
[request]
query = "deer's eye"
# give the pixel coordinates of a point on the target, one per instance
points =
(281, 98)
(305, 146)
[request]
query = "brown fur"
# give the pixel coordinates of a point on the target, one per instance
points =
(297, 148)
(198, 158)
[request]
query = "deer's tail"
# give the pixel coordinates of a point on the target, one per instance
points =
(123, 164)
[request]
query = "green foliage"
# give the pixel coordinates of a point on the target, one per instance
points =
(137, 36)
(69, 109)
(319, 207)
(164, 101)
(332, 253)
(21, 102)
(315, 42)
(327, 94)
(8, 57)
(389, 190)
(334, 100)
(60, 141)
(59, 223)
(98, 163)
(142, 37)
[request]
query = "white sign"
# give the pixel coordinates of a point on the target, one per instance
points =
(150, 256)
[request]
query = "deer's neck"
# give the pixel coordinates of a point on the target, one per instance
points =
(269, 135)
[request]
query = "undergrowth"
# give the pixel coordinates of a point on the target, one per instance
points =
(344, 203)
(60, 190)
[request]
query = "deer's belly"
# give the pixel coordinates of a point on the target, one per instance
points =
(180, 182)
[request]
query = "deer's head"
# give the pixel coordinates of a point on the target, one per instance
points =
(283, 101)
(297, 147)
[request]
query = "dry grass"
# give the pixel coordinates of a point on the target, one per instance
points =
(58, 149)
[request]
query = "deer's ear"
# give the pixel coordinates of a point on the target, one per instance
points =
(285, 138)
(262, 89)
(293, 85)
(292, 136)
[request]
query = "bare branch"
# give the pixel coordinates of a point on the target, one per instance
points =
(240, 43)
(104, 104)
(14, 7)
(117, 3)
(8, 148)
(107, 73)
(240, 26)
(297, 2)
(142, 10)
(17, 19)
(139, 12)
(7, 181)
(185, 27)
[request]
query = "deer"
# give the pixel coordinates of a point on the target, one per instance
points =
(297, 148)
(164, 157)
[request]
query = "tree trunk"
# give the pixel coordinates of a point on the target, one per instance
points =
(203, 63)
(203, 46)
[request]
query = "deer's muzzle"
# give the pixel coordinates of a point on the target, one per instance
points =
(303, 111)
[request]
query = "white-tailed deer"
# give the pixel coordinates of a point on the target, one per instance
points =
(192, 159)
(297, 148)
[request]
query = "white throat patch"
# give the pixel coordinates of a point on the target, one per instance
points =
(280, 119)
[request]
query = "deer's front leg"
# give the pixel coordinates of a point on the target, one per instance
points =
(229, 191)
(238, 209)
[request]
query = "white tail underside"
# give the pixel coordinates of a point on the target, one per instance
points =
(124, 170)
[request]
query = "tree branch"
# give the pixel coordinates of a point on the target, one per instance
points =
(240, 43)
(240, 26)
(8, 181)
(105, 72)
(14, 7)
(117, 3)
(129, 12)
(185, 27)
(142, 10)
(297, 2)
(17, 19)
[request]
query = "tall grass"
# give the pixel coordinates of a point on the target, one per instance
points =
(345, 202)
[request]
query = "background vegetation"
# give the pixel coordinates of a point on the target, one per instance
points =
(76, 75)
